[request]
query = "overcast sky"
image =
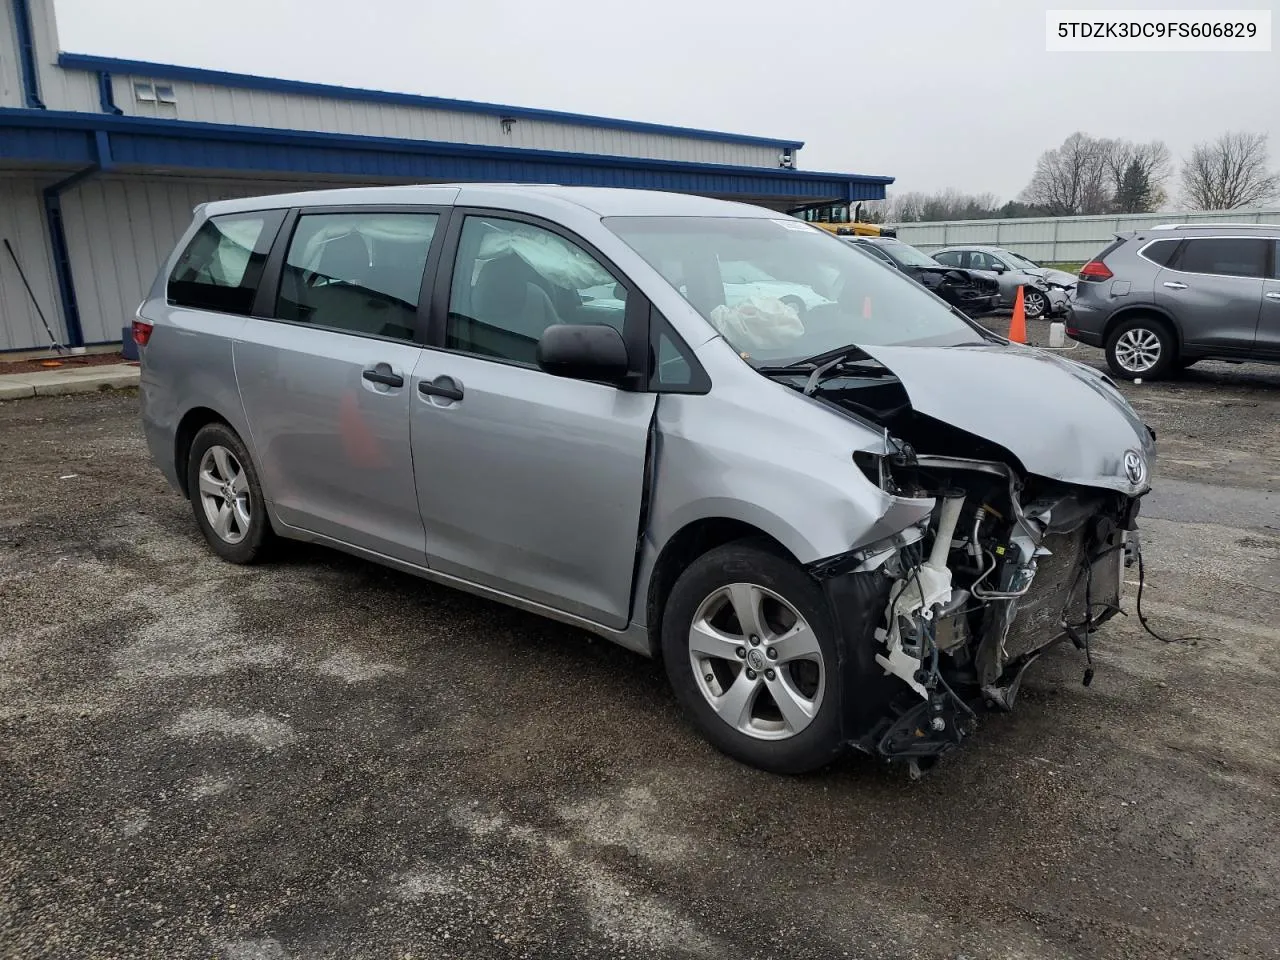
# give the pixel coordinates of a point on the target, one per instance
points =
(936, 93)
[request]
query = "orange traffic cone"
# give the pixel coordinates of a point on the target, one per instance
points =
(1018, 325)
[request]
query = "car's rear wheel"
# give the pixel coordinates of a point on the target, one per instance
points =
(1141, 347)
(1034, 304)
(226, 495)
(750, 652)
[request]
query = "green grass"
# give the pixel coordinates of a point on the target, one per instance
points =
(1065, 267)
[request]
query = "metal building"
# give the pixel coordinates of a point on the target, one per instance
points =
(102, 160)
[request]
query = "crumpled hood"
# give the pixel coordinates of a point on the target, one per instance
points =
(1061, 419)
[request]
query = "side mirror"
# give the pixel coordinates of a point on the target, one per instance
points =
(583, 351)
(998, 267)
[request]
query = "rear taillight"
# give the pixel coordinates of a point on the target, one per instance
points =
(1096, 270)
(141, 332)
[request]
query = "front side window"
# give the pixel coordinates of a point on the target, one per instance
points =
(1226, 256)
(512, 280)
(356, 272)
(222, 265)
(819, 296)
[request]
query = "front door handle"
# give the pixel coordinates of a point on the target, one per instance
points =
(382, 374)
(1175, 285)
(1273, 296)
(444, 387)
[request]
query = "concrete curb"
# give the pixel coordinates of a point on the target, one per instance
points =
(53, 383)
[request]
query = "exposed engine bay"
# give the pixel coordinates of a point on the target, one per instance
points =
(1007, 564)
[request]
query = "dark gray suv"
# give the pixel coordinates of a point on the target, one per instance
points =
(1161, 299)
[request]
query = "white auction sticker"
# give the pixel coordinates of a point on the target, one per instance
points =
(1158, 31)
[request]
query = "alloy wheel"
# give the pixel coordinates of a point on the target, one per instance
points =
(224, 494)
(1138, 350)
(756, 661)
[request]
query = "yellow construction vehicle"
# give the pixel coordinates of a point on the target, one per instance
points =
(839, 219)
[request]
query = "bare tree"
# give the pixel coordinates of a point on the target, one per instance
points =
(950, 204)
(1229, 173)
(1071, 179)
(1146, 163)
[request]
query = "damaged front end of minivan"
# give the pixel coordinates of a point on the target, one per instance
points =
(1034, 519)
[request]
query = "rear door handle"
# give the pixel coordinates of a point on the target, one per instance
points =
(1175, 285)
(382, 374)
(1273, 296)
(444, 387)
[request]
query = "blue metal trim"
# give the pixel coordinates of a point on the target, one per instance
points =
(106, 95)
(27, 55)
(62, 256)
(33, 143)
(58, 235)
(80, 61)
(132, 130)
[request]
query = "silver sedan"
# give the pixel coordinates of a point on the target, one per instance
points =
(1047, 291)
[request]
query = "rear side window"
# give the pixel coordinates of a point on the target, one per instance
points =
(222, 265)
(1160, 251)
(951, 258)
(357, 272)
(1225, 256)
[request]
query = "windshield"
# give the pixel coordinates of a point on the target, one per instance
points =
(809, 293)
(907, 255)
(1018, 261)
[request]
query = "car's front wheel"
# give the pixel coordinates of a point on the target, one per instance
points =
(1141, 347)
(226, 495)
(1034, 303)
(750, 652)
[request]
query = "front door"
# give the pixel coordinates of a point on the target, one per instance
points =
(529, 484)
(326, 384)
(1213, 288)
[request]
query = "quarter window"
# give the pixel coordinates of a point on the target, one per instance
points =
(357, 272)
(1160, 251)
(512, 280)
(222, 265)
(1226, 256)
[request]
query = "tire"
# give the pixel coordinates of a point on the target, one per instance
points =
(1034, 304)
(218, 456)
(1141, 347)
(806, 680)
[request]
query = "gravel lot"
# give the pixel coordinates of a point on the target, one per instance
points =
(322, 758)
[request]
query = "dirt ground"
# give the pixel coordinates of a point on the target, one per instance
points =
(321, 758)
(63, 361)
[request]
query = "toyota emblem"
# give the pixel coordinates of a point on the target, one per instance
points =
(1134, 467)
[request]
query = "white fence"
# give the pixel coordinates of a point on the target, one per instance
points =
(1060, 239)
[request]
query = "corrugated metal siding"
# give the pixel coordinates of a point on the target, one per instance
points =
(10, 73)
(261, 108)
(22, 223)
(59, 89)
(119, 230)
(1061, 239)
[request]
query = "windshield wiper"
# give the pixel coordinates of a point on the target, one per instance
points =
(844, 354)
(822, 363)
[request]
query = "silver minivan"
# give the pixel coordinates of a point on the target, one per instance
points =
(842, 514)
